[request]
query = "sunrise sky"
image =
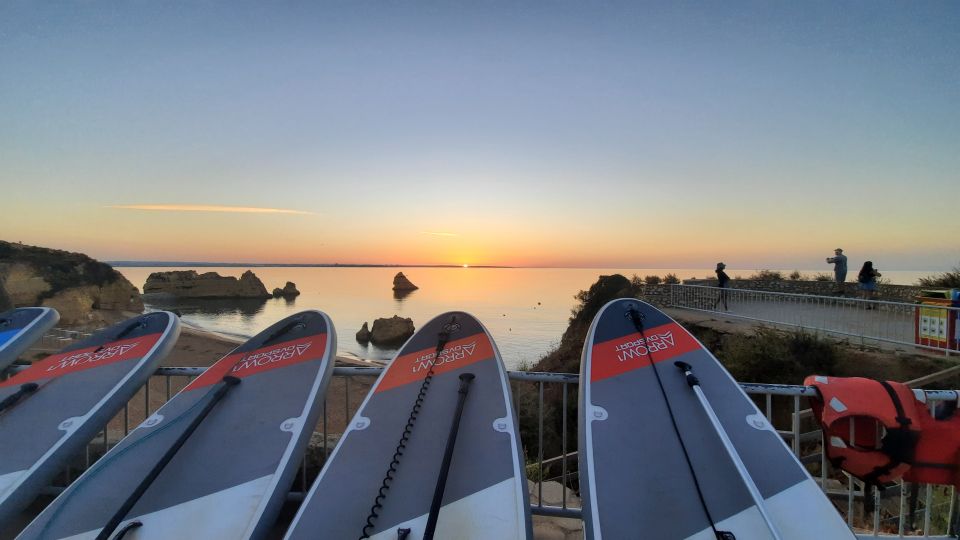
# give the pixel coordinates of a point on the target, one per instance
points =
(592, 134)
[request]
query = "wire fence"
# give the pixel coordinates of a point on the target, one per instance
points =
(902, 510)
(929, 327)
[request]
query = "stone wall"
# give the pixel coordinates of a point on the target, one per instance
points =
(894, 293)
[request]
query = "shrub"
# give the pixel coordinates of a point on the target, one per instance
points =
(772, 356)
(767, 275)
(948, 280)
(671, 279)
(651, 280)
(822, 277)
(795, 275)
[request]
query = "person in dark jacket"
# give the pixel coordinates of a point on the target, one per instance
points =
(722, 279)
(868, 281)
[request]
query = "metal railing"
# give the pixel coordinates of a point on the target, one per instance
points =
(904, 510)
(873, 321)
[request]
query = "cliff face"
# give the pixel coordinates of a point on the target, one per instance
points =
(190, 284)
(80, 288)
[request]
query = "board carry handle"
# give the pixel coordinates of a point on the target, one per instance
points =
(219, 392)
(12, 399)
(465, 380)
(694, 384)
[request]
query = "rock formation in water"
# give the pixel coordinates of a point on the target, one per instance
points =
(401, 283)
(391, 332)
(363, 336)
(85, 291)
(288, 291)
(190, 284)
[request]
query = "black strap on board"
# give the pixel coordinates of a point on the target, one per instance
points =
(442, 338)
(223, 387)
(637, 319)
(465, 380)
(25, 390)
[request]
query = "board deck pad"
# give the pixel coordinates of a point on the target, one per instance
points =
(654, 493)
(22, 327)
(486, 491)
(78, 391)
(229, 479)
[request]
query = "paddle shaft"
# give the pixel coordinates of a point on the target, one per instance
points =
(225, 385)
(465, 380)
(694, 383)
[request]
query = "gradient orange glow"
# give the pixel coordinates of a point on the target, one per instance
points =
(206, 208)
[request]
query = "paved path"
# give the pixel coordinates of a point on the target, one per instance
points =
(892, 324)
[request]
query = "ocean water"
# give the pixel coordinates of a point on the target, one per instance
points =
(525, 309)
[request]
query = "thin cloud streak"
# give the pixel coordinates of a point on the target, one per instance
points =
(440, 233)
(207, 208)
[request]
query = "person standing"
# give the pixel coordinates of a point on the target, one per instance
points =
(839, 261)
(722, 280)
(868, 281)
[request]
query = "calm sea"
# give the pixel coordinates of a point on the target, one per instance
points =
(525, 309)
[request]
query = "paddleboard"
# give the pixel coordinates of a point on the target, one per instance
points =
(229, 478)
(51, 410)
(485, 493)
(652, 465)
(22, 327)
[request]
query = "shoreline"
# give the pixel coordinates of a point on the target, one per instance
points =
(196, 342)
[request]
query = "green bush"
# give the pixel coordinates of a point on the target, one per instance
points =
(947, 280)
(767, 275)
(651, 280)
(671, 279)
(772, 356)
(795, 275)
(822, 277)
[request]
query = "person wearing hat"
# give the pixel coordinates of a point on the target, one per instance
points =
(839, 261)
(722, 279)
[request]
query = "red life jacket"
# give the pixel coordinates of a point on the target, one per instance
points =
(880, 431)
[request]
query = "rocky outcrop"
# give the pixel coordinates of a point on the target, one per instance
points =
(391, 332)
(288, 291)
(190, 284)
(82, 289)
(363, 336)
(401, 283)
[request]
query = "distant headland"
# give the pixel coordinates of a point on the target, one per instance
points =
(194, 264)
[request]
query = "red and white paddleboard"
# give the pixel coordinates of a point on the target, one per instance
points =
(51, 410)
(485, 493)
(652, 462)
(229, 477)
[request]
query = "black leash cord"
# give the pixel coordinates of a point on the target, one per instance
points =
(442, 339)
(637, 319)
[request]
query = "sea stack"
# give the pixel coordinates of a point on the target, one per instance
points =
(391, 332)
(363, 336)
(190, 284)
(288, 291)
(401, 283)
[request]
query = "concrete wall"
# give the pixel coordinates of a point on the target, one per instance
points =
(895, 293)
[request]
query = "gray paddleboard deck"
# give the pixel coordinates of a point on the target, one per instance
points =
(486, 492)
(78, 391)
(22, 327)
(634, 478)
(230, 478)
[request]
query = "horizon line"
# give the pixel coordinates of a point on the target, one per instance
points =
(128, 263)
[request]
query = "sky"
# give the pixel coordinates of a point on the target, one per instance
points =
(590, 134)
